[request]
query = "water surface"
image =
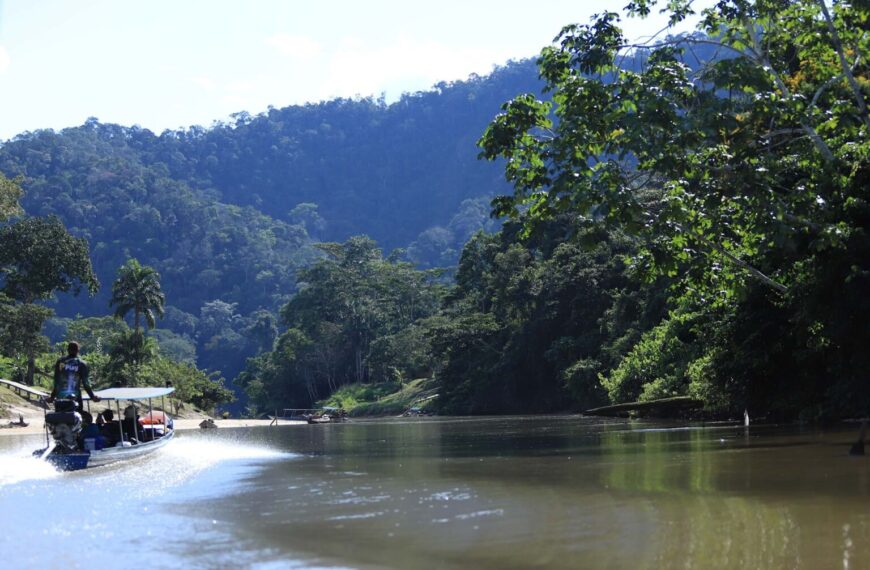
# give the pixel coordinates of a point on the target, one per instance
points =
(505, 493)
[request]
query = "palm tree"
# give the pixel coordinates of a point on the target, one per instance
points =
(137, 289)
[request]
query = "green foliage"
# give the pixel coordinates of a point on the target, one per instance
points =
(137, 289)
(176, 347)
(10, 194)
(129, 351)
(532, 322)
(204, 390)
(96, 334)
(746, 174)
(38, 257)
(657, 366)
(20, 328)
(355, 319)
(350, 396)
(386, 398)
(739, 157)
(405, 354)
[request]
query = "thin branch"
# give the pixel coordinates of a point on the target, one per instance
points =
(822, 89)
(847, 71)
(752, 270)
(781, 132)
(820, 144)
(686, 40)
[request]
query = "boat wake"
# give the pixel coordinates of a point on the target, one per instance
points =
(20, 465)
(208, 452)
(144, 503)
(178, 462)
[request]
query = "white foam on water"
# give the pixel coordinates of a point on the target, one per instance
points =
(185, 465)
(207, 452)
(19, 465)
(179, 461)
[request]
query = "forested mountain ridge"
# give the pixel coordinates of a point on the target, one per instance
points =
(92, 179)
(389, 171)
(228, 214)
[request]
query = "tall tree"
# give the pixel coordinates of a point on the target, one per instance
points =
(756, 150)
(38, 256)
(754, 135)
(21, 331)
(137, 289)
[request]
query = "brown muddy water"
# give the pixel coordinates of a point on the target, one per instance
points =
(494, 493)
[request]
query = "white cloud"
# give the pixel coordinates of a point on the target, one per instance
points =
(5, 60)
(358, 69)
(294, 47)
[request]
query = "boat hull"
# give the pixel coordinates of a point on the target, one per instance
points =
(98, 458)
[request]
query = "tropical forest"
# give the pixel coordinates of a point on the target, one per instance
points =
(603, 223)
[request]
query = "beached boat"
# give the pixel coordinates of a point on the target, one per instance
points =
(327, 415)
(75, 441)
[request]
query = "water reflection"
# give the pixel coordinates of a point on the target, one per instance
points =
(489, 493)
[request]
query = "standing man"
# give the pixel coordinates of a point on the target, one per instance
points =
(70, 376)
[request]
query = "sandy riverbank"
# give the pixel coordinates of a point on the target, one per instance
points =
(36, 427)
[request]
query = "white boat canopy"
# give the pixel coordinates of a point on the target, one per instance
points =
(130, 393)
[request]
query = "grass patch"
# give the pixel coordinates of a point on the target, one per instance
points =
(383, 399)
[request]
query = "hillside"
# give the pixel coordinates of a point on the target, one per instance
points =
(229, 214)
(211, 208)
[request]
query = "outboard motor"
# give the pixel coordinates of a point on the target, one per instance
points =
(65, 425)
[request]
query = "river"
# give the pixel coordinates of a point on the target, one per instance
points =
(493, 493)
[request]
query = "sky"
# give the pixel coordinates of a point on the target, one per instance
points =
(168, 64)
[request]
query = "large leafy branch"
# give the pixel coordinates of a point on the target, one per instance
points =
(752, 144)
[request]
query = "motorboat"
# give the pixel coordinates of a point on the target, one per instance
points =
(75, 441)
(327, 415)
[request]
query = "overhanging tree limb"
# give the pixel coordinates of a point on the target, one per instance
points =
(847, 70)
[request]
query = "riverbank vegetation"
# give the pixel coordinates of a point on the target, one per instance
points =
(758, 164)
(685, 226)
(687, 217)
(39, 257)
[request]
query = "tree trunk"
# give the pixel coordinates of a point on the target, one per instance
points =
(31, 370)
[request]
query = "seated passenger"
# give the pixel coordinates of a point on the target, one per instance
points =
(131, 426)
(109, 427)
(91, 438)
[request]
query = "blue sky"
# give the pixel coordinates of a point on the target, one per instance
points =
(175, 63)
